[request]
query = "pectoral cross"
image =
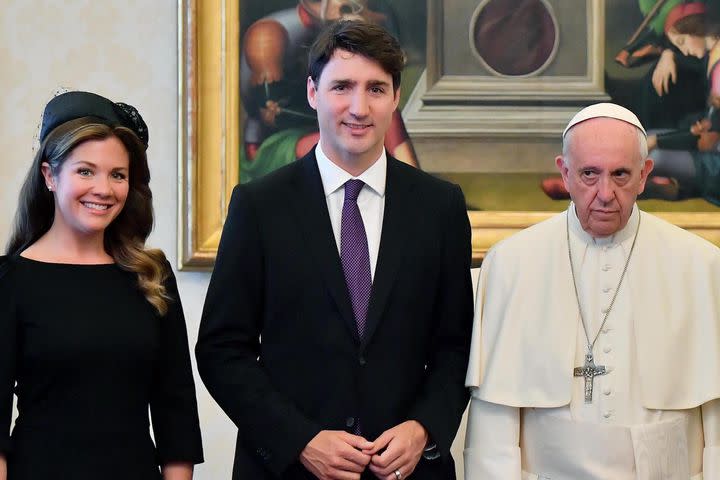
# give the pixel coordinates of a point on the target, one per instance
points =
(589, 371)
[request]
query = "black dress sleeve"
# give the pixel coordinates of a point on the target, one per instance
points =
(8, 353)
(173, 404)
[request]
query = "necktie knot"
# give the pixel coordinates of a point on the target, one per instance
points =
(352, 189)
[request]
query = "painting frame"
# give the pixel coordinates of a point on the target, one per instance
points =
(209, 116)
(209, 119)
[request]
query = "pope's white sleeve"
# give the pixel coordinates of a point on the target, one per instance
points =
(711, 432)
(492, 443)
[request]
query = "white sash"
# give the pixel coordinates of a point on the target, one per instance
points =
(554, 448)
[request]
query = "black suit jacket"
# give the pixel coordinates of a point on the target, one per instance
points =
(278, 276)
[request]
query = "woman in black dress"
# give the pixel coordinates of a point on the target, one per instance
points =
(92, 333)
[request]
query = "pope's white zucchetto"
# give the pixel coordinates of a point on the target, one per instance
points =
(608, 110)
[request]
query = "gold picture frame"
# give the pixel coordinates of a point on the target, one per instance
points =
(208, 125)
(209, 119)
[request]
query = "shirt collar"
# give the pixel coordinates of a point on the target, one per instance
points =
(625, 233)
(334, 177)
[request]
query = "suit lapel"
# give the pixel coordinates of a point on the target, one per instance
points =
(311, 209)
(393, 241)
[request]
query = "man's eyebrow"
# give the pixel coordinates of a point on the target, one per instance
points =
(621, 170)
(347, 81)
(342, 81)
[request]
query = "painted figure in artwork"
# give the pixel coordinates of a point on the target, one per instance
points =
(280, 127)
(671, 88)
(687, 159)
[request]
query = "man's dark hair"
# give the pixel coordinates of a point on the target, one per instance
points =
(361, 38)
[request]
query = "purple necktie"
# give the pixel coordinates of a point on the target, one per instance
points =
(354, 254)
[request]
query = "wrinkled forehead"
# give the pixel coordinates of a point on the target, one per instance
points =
(606, 141)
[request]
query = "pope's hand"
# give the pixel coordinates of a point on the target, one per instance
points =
(404, 445)
(336, 455)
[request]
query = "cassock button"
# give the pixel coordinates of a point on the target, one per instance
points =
(606, 267)
(607, 414)
(607, 349)
(350, 422)
(607, 391)
(606, 289)
(362, 361)
(605, 310)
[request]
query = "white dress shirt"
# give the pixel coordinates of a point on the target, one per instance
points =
(371, 200)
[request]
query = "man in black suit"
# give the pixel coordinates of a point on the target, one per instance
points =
(337, 323)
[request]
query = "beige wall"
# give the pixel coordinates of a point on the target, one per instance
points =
(127, 51)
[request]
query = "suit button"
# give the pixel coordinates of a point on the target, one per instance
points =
(264, 454)
(362, 361)
(349, 422)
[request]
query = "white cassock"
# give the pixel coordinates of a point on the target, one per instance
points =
(655, 415)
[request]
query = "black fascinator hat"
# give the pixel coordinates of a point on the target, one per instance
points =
(71, 105)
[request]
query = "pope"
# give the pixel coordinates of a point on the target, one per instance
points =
(596, 343)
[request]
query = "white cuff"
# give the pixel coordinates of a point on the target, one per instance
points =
(492, 450)
(711, 463)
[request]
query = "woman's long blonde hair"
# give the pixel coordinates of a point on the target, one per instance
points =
(125, 236)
